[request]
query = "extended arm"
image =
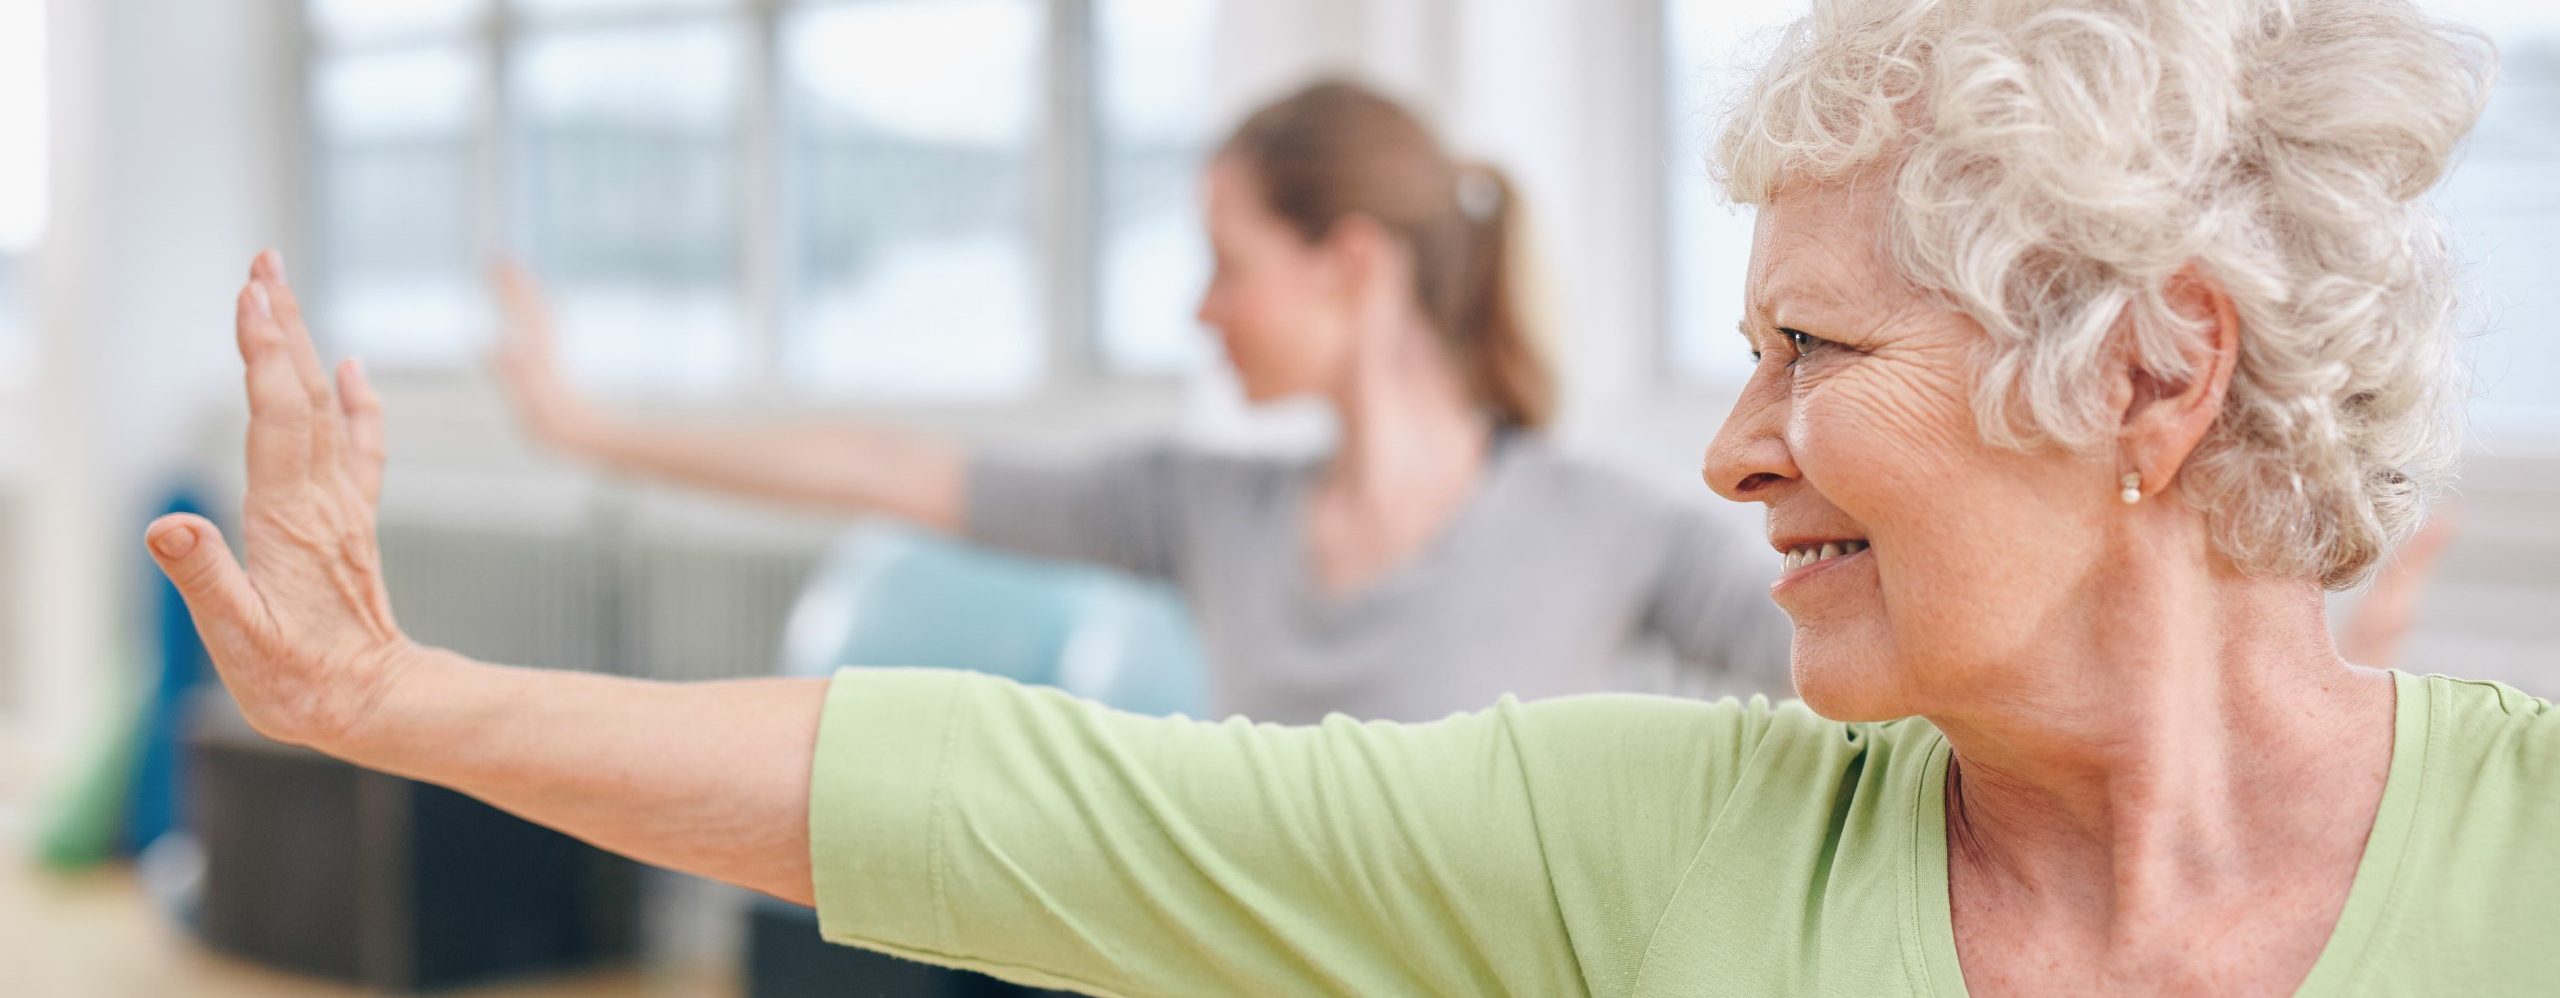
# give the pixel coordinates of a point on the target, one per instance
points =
(956, 819)
(834, 466)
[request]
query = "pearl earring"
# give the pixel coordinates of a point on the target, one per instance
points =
(2132, 488)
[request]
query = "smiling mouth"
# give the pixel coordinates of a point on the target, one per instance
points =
(1812, 554)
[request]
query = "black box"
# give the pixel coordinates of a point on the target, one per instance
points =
(317, 866)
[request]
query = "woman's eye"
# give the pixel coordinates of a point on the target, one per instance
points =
(1804, 342)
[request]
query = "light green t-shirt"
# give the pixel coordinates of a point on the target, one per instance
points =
(1605, 845)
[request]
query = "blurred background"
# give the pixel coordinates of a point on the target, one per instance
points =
(972, 217)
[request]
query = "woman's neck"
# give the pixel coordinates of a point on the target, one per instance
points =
(1413, 447)
(2193, 743)
(1413, 434)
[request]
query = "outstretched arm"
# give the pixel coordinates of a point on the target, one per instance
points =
(965, 820)
(829, 465)
(708, 778)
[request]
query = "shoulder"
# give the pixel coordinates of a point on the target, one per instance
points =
(1198, 470)
(1593, 496)
(1644, 527)
(2481, 867)
(2490, 783)
(2496, 732)
(1639, 800)
(1702, 752)
(1543, 467)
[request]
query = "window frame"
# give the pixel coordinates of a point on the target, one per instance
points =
(1067, 234)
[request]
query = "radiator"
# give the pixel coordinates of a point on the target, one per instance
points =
(504, 593)
(595, 597)
(699, 609)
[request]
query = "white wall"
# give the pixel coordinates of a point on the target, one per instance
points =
(173, 129)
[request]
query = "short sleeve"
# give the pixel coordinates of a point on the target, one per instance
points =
(970, 822)
(1122, 508)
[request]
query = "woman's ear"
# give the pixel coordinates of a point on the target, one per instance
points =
(1373, 267)
(2166, 415)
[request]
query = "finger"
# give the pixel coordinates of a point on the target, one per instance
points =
(280, 415)
(288, 317)
(219, 595)
(268, 265)
(363, 411)
(528, 314)
(327, 437)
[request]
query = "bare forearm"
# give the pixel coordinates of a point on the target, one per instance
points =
(837, 467)
(707, 778)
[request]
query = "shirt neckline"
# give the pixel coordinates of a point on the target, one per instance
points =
(1929, 918)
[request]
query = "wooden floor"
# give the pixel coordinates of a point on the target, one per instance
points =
(96, 935)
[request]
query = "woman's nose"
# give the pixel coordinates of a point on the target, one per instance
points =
(1749, 459)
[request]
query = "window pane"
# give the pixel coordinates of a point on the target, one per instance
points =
(1709, 243)
(912, 259)
(1154, 70)
(344, 21)
(629, 199)
(2505, 213)
(394, 162)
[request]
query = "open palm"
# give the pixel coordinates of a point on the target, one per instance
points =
(302, 634)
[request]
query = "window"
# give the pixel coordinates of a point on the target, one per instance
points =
(2505, 215)
(1155, 83)
(1707, 244)
(627, 194)
(882, 199)
(914, 255)
(393, 132)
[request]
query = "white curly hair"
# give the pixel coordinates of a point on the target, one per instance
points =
(2050, 166)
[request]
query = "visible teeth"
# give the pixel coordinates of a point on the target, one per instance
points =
(1807, 555)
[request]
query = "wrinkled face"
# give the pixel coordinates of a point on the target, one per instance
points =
(1277, 301)
(1926, 569)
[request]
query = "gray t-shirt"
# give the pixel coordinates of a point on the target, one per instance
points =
(1546, 582)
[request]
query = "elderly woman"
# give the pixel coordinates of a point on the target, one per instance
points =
(2096, 340)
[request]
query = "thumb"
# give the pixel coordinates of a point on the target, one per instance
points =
(190, 551)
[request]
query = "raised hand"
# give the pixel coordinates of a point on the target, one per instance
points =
(303, 635)
(528, 365)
